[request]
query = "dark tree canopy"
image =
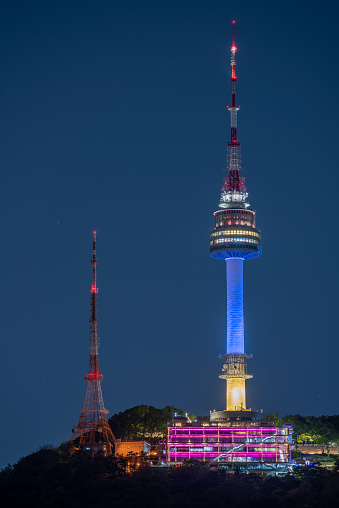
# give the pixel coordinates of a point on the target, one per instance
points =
(63, 477)
(143, 421)
(150, 422)
(54, 477)
(316, 429)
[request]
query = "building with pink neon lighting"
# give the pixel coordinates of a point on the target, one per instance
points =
(238, 444)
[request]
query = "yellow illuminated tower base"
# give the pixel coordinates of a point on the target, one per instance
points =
(235, 373)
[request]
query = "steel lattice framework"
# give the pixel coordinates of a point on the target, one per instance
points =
(93, 428)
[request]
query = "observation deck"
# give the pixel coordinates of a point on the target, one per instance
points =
(235, 234)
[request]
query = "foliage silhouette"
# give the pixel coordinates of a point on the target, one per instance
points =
(62, 477)
(143, 421)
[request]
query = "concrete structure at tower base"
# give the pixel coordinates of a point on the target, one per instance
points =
(243, 415)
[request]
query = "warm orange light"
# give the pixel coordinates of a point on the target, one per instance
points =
(236, 395)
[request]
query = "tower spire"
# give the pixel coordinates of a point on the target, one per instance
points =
(233, 81)
(233, 191)
(93, 428)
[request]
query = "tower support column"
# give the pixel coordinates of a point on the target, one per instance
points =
(235, 373)
(235, 367)
(235, 394)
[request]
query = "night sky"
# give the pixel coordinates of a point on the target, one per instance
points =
(113, 117)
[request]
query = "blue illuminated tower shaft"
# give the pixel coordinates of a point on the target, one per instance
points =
(235, 306)
(235, 366)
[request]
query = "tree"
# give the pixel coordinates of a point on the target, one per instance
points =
(271, 417)
(298, 423)
(144, 421)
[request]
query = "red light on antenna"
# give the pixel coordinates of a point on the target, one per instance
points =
(233, 21)
(234, 48)
(94, 232)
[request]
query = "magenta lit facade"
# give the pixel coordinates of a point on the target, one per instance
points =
(247, 444)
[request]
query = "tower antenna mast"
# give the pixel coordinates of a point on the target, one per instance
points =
(93, 430)
(234, 190)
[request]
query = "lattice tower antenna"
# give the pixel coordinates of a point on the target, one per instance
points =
(93, 428)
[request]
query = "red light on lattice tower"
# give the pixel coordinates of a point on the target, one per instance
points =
(233, 48)
(93, 430)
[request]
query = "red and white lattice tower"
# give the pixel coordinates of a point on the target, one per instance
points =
(93, 428)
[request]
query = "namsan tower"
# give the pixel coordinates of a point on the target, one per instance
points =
(93, 429)
(234, 239)
(235, 438)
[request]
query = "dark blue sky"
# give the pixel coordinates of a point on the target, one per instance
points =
(113, 117)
